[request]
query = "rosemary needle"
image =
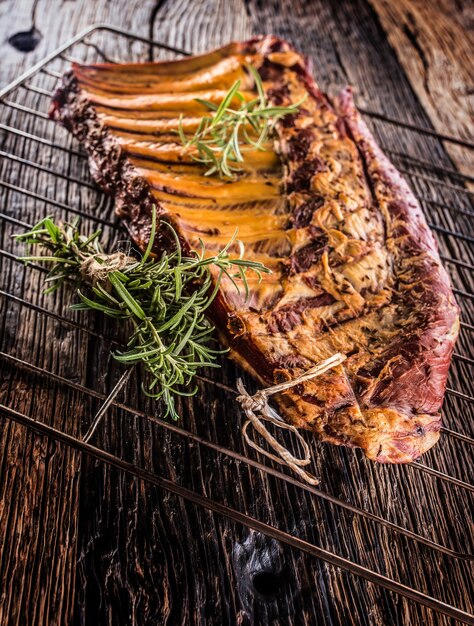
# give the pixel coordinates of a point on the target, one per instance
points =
(223, 137)
(164, 299)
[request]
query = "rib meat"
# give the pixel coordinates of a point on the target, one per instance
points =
(355, 268)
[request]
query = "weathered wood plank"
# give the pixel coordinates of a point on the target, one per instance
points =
(144, 556)
(39, 485)
(434, 43)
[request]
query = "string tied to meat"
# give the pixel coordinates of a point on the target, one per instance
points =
(257, 410)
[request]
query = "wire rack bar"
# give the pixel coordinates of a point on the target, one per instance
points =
(105, 222)
(461, 437)
(453, 187)
(82, 327)
(463, 358)
(13, 220)
(108, 403)
(457, 262)
(442, 476)
(240, 518)
(463, 294)
(434, 167)
(38, 90)
(55, 203)
(8, 218)
(415, 127)
(459, 394)
(451, 233)
(49, 72)
(436, 181)
(60, 318)
(447, 207)
(25, 109)
(15, 259)
(47, 170)
(110, 400)
(42, 140)
(52, 376)
(50, 57)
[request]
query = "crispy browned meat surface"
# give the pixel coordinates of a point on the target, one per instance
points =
(355, 267)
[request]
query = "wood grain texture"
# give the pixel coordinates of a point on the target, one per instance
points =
(85, 544)
(58, 21)
(39, 490)
(434, 43)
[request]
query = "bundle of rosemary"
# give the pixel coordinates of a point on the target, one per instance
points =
(163, 299)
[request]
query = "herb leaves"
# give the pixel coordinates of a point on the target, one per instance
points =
(164, 299)
(223, 137)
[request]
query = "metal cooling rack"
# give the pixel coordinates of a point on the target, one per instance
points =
(42, 160)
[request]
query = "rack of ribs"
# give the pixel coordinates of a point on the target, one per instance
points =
(355, 268)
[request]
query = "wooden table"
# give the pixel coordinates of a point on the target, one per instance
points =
(84, 543)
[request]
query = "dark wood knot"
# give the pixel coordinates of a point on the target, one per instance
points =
(260, 573)
(267, 582)
(26, 40)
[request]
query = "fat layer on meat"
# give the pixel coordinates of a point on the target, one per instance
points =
(355, 268)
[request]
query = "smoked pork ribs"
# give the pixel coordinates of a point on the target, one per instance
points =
(355, 268)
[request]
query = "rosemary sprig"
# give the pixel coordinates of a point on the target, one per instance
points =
(164, 299)
(223, 137)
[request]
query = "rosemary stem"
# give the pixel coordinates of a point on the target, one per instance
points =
(163, 299)
(225, 135)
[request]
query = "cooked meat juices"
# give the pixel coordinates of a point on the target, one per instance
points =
(355, 268)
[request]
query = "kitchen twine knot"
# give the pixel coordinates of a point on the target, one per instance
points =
(95, 269)
(258, 403)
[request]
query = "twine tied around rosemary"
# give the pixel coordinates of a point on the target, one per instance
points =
(96, 269)
(163, 299)
(258, 410)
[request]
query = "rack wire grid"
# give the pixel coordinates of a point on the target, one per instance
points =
(44, 171)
